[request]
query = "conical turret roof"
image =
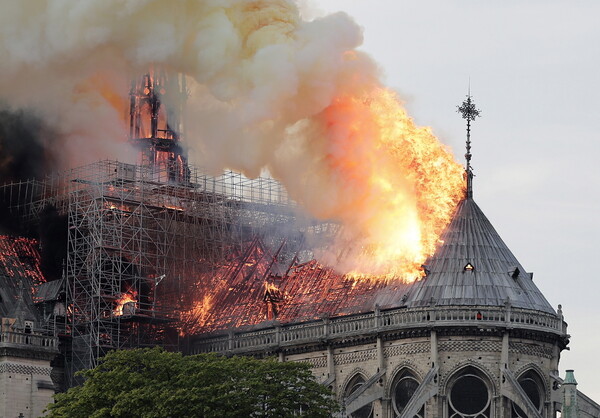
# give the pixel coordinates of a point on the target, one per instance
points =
(474, 267)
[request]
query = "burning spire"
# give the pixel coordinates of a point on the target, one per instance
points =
(469, 112)
(156, 103)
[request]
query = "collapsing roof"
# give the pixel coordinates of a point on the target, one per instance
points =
(472, 267)
(20, 273)
(245, 293)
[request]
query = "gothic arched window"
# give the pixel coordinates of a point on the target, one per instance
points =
(532, 385)
(404, 387)
(355, 383)
(469, 395)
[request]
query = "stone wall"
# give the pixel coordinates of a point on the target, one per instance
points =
(25, 387)
(25, 384)
(513, 356)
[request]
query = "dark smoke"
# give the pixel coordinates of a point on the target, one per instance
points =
(24, 154)
(53, 242)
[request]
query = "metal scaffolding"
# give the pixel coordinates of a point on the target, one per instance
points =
(138, 244)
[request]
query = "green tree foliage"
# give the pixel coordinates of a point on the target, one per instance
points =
(156, 383)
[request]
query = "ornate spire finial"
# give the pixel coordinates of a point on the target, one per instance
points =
(469, 112)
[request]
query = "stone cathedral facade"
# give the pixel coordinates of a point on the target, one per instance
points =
(474, 338)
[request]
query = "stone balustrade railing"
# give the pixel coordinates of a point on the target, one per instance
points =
(377, 322)
(24, 339)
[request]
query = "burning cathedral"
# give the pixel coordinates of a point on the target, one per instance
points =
(158, 253)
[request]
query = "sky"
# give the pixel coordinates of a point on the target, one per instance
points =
(534, 74)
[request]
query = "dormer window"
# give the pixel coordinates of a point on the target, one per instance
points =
(469, 267)
(514, 273)
(28, 327)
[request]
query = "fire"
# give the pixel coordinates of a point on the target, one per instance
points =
(127, 297)
(199, 312)
(271, 287)
(399, 185)
(272, 299)
(273, 91)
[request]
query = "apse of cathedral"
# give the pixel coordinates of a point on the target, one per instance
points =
(160, 254)
(475, 337)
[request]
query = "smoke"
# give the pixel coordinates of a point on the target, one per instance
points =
(258, 67)
(24, 145)
(53, 242)
(268, 90)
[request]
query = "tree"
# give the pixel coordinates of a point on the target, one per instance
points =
(156, 383)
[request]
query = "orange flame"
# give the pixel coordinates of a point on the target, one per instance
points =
(127, 297)
(199, 312)
(270, 287)
(399, 186)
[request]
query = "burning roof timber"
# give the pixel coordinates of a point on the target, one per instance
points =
(253, 289)
(20, 263)
(20, 259)
(473, 267)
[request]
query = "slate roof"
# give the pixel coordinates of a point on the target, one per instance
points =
(50, 291)
(497, 275)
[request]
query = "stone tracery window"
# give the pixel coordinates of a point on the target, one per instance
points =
(355, 383)
(404, 386)
(533, 387)
(469, 395)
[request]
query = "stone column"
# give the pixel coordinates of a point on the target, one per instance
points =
(380, 354)
(503, 405)
(434, 349)
(381, 365)
(330, 362)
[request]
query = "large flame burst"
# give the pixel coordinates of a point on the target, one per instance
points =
(273, 90)
(400, 185)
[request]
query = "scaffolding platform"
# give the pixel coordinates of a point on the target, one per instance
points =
(133, 231)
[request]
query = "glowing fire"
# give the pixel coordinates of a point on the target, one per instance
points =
(398, 185)
(127, 297)
(199, 312)
(270, 287)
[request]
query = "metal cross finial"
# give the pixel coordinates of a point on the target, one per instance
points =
(469, 112)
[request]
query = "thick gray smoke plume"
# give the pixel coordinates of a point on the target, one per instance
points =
(258, 67)
(268, 90)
